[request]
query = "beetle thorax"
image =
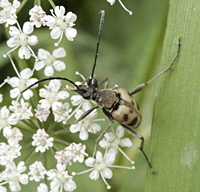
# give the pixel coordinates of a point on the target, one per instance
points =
(107, 99)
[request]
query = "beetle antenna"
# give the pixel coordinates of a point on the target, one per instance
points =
(98, 42)
(47, 79)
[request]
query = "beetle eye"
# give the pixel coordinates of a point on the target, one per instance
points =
(86, 95)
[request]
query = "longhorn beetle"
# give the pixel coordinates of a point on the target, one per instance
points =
(116, 104)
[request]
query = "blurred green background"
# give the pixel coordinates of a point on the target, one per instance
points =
(130, 54)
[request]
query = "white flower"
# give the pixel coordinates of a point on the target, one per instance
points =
(74, 152)
(61, 179)
(61, 23)
(52, 93)
(42, 188)
(13, 175)
(113, 141)
(77, 151)
(42, 113)
(100, 166)
(20, 83)
(6, 119)
(23, 40)
(61, 111)
(63, 157)
(85, 126)
(8, 152)
(8, 13)
(37, 171)
(37, 16)
(50, 61)
(42, 141)
(21, 109)
(13, 135)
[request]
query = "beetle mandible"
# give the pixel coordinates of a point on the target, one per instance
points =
(117, 104)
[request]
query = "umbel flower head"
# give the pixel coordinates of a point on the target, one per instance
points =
(42, 139)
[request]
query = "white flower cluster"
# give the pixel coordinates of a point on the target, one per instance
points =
(33, 125)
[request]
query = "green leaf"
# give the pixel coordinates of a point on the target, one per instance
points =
(175, 133)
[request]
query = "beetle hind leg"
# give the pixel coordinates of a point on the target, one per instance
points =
(136, 134)
(143, 85)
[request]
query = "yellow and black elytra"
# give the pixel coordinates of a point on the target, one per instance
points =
(117, 104)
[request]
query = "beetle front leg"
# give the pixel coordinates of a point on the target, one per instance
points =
(105, 82)
(84, 115)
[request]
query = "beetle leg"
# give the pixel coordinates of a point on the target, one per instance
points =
(105, 82)
(143, 85)
(136, 134)
(99, 139)
(82, 116)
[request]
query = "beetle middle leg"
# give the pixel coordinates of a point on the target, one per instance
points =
(99, 139)
(134, 133)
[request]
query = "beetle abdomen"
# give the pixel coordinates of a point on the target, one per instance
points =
(127, 112)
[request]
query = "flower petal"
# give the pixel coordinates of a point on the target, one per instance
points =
(70, 33)
(71, 17)
(94, 175)
(13, 42)
(74, 128)
(63, 95)
(14, 31)
(28, 94)
(120, 132)
(56, 32)
(89, 162)
(49, 71)
(59, 53)
(24, 53)
(43, 54)
(39, 65)
(70, 185)
(26, 73)
(83, 135)
(107, 173)
(14, 81)
(27, 27)
(14, 92)
(126, 142)
(59, 11)
(59, 65)
(32, 40)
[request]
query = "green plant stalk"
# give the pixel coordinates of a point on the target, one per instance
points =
(175, 141)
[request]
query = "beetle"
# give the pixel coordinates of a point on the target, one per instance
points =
(118, 104)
